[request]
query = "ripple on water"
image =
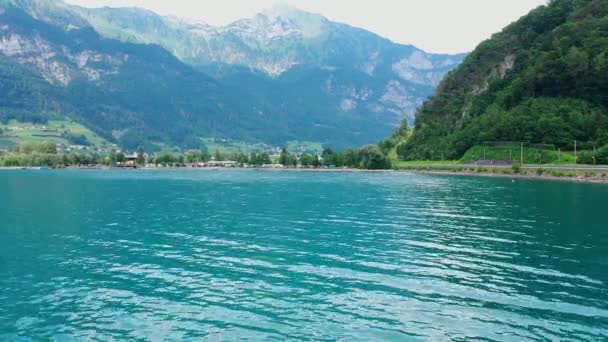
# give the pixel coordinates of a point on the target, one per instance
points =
(285, 256)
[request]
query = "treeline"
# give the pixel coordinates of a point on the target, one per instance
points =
(599, 156)
(198, 156)
(45, 154)
(368, 157)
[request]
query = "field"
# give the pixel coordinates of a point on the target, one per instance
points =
(54, 131)
(58, 131)
(305, 147)
(530, 155)
(399, 163)
(230, 146)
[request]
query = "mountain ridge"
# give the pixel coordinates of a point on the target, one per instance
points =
(350, 95)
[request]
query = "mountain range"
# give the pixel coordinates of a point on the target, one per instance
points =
(140, 79)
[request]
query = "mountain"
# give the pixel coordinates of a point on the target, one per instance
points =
(125, 92)
(273, 41)
(388, 80)
(136, 77)
(542, 80)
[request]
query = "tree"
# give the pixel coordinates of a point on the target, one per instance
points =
(48, 147)
(253, 159)
(141, 158)
(31, 147)
(120, 157)
(586, 158)
(397, 138)
(284, 159)
(165, 159)
(293, 160)
(264, 159)
(218, 155)
(111, 159)
(194, 156)
(65, 161)
(306, 159)
(287, 159)
(76, 139)
(602, 155)
(234, 156)
(372, 158)
(316, 162)
(242, 158)
(577, 62)
(329, 157)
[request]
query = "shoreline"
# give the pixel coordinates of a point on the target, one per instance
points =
(577, 179)
(572, 179)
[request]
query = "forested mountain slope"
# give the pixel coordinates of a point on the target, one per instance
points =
(543, 79)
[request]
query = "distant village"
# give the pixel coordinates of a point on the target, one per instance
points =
(272, 161)
(66, 146)
(110, 155)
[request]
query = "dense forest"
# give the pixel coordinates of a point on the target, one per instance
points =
(542, 80)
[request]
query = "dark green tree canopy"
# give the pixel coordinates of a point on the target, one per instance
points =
(543, 79)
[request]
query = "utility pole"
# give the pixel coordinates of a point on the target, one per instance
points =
(522, 154)
(594, 156)
(575, 157)
(559, 155)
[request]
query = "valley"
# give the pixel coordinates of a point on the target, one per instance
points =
(138, 79)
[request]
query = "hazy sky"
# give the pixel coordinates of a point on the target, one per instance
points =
(433, 25)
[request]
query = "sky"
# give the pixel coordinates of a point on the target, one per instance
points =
(440, 26)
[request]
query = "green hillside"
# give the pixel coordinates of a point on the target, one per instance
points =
(63, 132)
(542, 80)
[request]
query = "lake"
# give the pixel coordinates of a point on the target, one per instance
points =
(263, 255)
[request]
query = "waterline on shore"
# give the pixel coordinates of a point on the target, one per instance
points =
(530, 176)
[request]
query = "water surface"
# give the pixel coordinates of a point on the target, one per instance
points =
(187, 255)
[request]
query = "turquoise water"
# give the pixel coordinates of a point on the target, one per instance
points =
(187, 255)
